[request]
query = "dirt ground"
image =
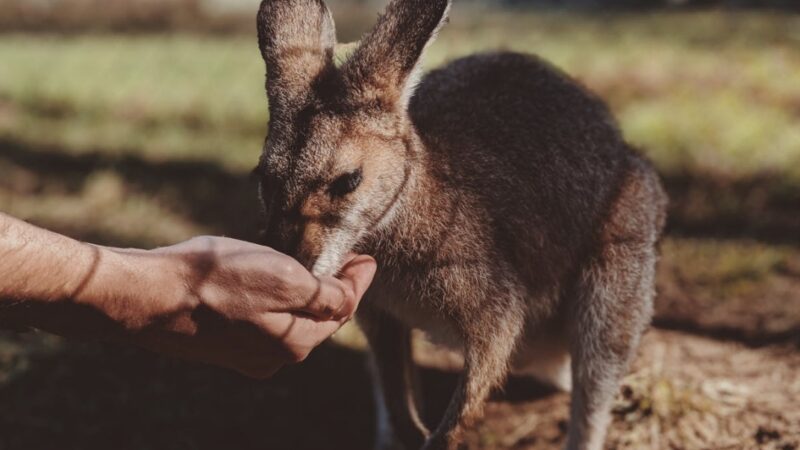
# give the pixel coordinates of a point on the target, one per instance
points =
(684, 392)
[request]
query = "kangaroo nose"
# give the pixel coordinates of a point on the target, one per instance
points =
(283, 237)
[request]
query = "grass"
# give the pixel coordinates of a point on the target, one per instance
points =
(161, 97)
(164, 125)
(718, 100)
(722, 96)
(145, 140)
(730, 288)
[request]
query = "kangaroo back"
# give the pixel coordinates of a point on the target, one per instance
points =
(508, 216)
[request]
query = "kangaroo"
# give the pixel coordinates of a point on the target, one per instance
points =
(509, 218)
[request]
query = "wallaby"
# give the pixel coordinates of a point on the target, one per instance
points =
(509, 218)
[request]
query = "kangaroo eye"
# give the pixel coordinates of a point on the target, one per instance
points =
(346, 184)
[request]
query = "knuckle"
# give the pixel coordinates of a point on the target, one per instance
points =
(329, 304)
(288, 269)
(202, 241)
(326, 310)
(348, 306)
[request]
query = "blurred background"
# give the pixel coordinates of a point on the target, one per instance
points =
(137, 123)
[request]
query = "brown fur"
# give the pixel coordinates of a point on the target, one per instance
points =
(509, 217)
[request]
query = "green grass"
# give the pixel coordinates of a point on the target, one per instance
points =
(716, 93)
(161, 97)
(706, 92)
(711, 95)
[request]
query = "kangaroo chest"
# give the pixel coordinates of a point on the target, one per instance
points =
(419, 307)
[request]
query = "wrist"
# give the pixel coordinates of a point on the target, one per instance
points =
(136, 290)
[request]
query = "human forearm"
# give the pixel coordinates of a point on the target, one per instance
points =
(216, 300)
(40, 270)
(61, 285)
(39, 266)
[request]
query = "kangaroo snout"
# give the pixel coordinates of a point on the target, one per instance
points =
(319, 248)
(291, 238)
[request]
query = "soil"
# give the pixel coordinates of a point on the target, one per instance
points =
(684, 392)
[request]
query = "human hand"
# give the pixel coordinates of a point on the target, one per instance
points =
(235, 304)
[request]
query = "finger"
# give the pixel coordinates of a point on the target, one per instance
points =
(295, 288)
(329, 297)
(357, 275)
(337, 298)
(298, 335)
(307, 333)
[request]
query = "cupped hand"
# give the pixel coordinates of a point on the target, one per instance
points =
(246, 307)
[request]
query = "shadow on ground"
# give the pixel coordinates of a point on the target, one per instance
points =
(224, 201)
(99, 397)
(760, 207)
(205, 193)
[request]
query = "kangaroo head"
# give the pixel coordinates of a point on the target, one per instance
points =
(339, 150)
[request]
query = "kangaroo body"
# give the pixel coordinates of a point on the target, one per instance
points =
(524, 188)
(510, 219)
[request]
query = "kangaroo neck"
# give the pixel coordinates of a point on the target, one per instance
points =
(422, 209)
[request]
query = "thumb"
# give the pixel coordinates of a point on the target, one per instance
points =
(356, 275)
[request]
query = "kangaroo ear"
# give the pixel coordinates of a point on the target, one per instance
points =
(386, 65)
(297, 40)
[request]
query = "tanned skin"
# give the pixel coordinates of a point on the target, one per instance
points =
(214, 300)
